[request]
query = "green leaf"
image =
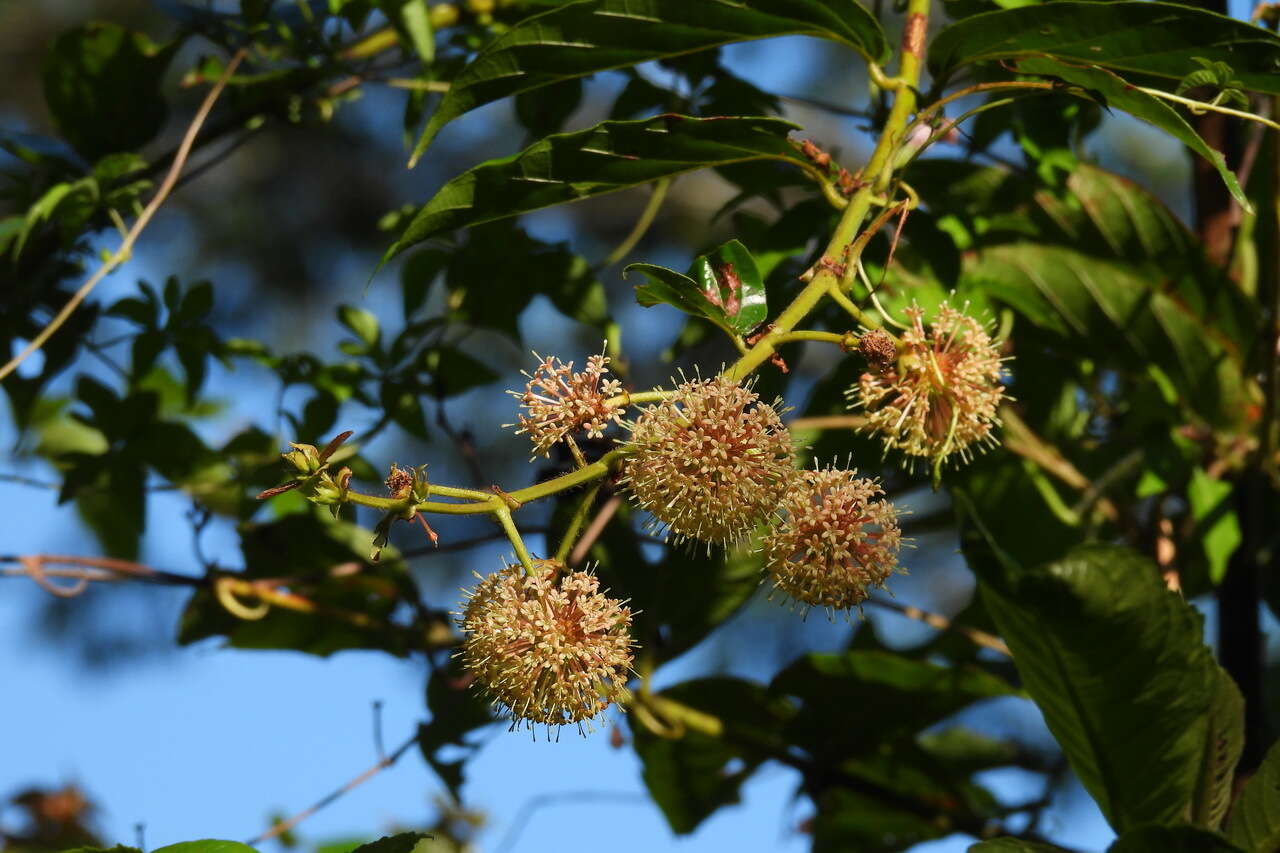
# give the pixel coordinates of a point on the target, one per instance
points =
(102, 86)
(1116, 92)
(1217, 526)
(453, 371)
(611, 156)
(1147, 708)
(1172, 839)
(668, 287)
(415, 18)
(1107, 303)
(1255, 816)
(1158, 39)
(206, 846)
(577, 39)
(354, 597)
(1012, 845)
(729, 279)
(457, 708)
(405, 842)
(692, 776)
(1223, 743)
(895, 698)
(362, 324)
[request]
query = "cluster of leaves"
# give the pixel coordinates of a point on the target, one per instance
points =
(1137, 395)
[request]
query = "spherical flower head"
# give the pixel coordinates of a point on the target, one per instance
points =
(941, 395)
(710, 462)
(559, 402)
(550, 647)
(834, 542)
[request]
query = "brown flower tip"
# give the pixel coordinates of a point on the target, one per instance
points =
(834, 542)
(878, 348)
(941, 395)
(559, 402)
(551, 648)
(709, 463)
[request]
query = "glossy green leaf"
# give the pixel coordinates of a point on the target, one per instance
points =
(729, 279)
(1217, 526)
(1158, 39)
(1110, 713)
(1254, 824)
(611, 156)
(1172, 839)
(1223, 744)
(1117, 93)
(102, 85)
(668, 287)
(582, 38)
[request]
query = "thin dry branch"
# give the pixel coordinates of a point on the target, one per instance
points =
(289, 823)
(125, 249)
(942, 623)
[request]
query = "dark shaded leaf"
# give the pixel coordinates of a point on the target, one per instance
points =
(611, 156)
(102, 86)
(1012, 845)
(1159, 39)
(1255, 816)
(577, 39)
(895, 697)
(690, 777)
(1172, 839)
(206, 846)
(457, 708)
(1117, 93)
(405, 842)
(1147, 708)
(328, 562)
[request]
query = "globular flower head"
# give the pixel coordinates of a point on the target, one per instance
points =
(549, 647)
(834, 541)
(559, 402)
(941, 394)
(710, 462)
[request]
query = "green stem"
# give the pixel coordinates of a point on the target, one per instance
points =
(880, 171)
(575, 523)
(824, 337)
(1201, 106)
(641, 227)
(509, 527)
(629, 398)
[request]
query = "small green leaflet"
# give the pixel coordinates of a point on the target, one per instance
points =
(724, 286)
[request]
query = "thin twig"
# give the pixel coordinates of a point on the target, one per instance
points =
(123, 253)
(288, 824)
(464, 544)
(641, 227)
(942, 623)
(829, 422)
(20, 480)
(594, 529)
(542, 800)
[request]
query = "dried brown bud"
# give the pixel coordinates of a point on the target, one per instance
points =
(709, 463)
(551, 648)
(878, 348)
